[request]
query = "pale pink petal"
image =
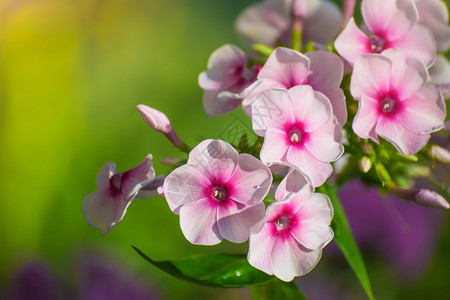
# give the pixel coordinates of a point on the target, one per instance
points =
(313, 230)
(352, 42)
(225, 67)
(251, 180)
(294, 182)
(155, 119)
(315, 170)
(198, 221)
(151, 189)
(213, 106)
(324, 143)
(275, 147)
(418, 43)
(215, 158)
(312, 108)
(366, 119)
(434, 15)
(325, 76)
(440, 71)
(271, 108)
(287, 66)
(430, 198)
(253, 91)
(185, 185)
(105, 174)
(322, 21)
(371, 74)
(423, 112)
(391, 19)
(134, 179)
(235, 220)
(405, 141)
(260, 249)
(290, 259)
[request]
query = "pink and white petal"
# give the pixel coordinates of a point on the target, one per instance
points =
(440, 71)
(271, 109)
(315, 170)
(260, 249)
(104, 211)
(214, 106)
(418, 42)
(151, 189)
(352, 42)
(403, 139)
(290, 259)
(322, 21)
(105, 174)
(434, 15)
(275, 147)
(313, 230)
(215, 158)
(424, 112)
(391, 19)
(254, 90)
(294, 182)
(311, 108)
(251, 180)
(235, 220)
(261, 24)
(366, 119)
(134, 179)
(184, 185)
(326, 71)
(337, 100)
(198, 221)
(287, 66)
(371, 75)
(325, 142)
(225, 66)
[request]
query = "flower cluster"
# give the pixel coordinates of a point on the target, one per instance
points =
(325, 87)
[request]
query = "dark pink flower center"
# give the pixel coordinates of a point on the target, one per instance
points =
(388, 105)
(220, 193)
(283, 222)
(296, 135)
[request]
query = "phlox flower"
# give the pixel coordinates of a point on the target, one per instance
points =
(106, 207)
(434, 15)
(440, 75)
(395, 101)
(289, 241)
(299, 131)
(272, 20)
(286, 68)
(392, 25)
(218, 193)
(226, 77)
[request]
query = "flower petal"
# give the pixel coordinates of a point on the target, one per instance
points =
(352, 42)
(105, 174)
(134, 179)
(322, 21)
(275, 147)
(214, 106)
(434, 15)
(198, 221)
(366, 119)
(260, 249)
(324, 143)
(294, 182)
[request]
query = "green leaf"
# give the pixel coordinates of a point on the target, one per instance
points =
(344, 239)
(214, 270)
(276, 289)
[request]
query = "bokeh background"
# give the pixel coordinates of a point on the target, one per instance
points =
(71, 75)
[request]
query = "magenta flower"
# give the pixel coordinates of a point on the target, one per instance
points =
(289, 241)
(218, 193)
(226, 78)
(106, 207)
(270, 21)
(434, 15)
(299, 130)
(286, 68)
(395, 101)
(392, 25)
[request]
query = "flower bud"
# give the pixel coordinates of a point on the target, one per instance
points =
(365, 164)
(430, 198)
(440, 154)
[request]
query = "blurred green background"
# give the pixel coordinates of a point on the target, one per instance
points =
(71, 75)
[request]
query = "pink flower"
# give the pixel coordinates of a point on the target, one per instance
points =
(286, 68)
(289, 241)
(440, 75)
(272, 20)
(392, 25)
(299, 130)
(434, 15)
(106, 207)
(395, 101)
(218, 193)
(227, 76)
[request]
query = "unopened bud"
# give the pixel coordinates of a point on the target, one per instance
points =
(430, 198)
(383, 174)
(367, 148)
(173, 162)
(440, 154)
(365, 164)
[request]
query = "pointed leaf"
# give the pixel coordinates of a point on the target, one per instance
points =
(277, 289)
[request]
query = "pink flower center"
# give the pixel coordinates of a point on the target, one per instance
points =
(283, 222)
(296, 135)
(220, 193)
(377, 44)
